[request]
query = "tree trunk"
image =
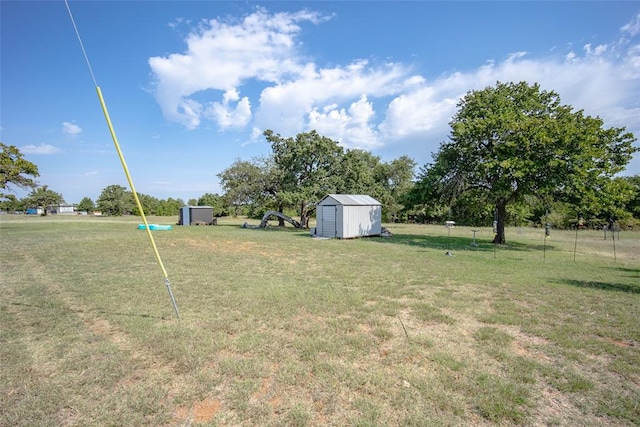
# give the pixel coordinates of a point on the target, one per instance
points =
(501, 214)
(303, 215)
(280, 220)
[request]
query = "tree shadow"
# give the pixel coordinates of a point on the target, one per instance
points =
(279, 229)
(633, 272)
(606, 286)
(456, 243)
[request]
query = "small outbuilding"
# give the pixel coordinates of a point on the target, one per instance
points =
(195, 215)
(346, 216)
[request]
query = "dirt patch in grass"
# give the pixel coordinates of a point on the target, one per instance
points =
(200, 412)
(624, 343)
(527, 345)
(268, 391)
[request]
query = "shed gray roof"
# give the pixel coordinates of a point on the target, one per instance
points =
(353, 200)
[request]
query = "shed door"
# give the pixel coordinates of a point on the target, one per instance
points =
(328, 221)
(185, 218)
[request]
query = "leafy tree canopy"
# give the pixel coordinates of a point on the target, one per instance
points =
(514, 139)
(215, 201)
(115, 200)
(303, 169)
(307, 168)
(15, 170)
(633, 204)
(43, 197)
(86, 204)
(244, 181)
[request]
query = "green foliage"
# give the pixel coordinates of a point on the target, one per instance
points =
(169, 207)
(12, 204)
(514, 140)
(393, 181)
(215, 201)
(115, 200)
(358, 173)
(302, 170)
(245, 183)
(633, 204)
(43, 197)
(307, 168)
(15, 170)
(149, 204)
(86, 204)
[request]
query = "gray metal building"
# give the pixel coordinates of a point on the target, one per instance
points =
(195, 214)
(347, 216)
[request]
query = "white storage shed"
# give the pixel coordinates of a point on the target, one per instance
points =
(347, 216)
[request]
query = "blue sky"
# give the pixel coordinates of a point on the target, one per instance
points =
(190, 86)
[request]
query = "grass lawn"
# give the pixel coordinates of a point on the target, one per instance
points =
(278, 328)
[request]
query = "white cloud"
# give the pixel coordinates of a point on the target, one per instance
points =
(632, 63)
(71, 129)
(365, 104)
(598, 50)
(222, 55)
(516, 55)
(286, 107)
(228, 117)
(353, 128)
(603, 82)
(421, 112)
(632, 28)
(39, 149)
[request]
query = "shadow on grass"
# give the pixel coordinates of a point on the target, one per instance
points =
(606, 286)
(633, 272)
(146, 316)
(457, 243)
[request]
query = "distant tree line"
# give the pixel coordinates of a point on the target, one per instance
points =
(117, 200)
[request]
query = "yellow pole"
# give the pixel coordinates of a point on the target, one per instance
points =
(136, 198)
(124, 164)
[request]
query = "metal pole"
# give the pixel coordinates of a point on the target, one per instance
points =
(173, 300)
(575, 245)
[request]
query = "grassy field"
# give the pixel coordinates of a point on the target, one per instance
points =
(280, 329)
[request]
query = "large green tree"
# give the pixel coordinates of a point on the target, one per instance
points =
(514, 139)
(215, 201)
(244, 182)
(86, 204)
(358, 173)
(15, 170)
(394, 180)
(307, 168)
(115, 200)
(44, 198)
(149, 204)
(169, 207)
(302, 170)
